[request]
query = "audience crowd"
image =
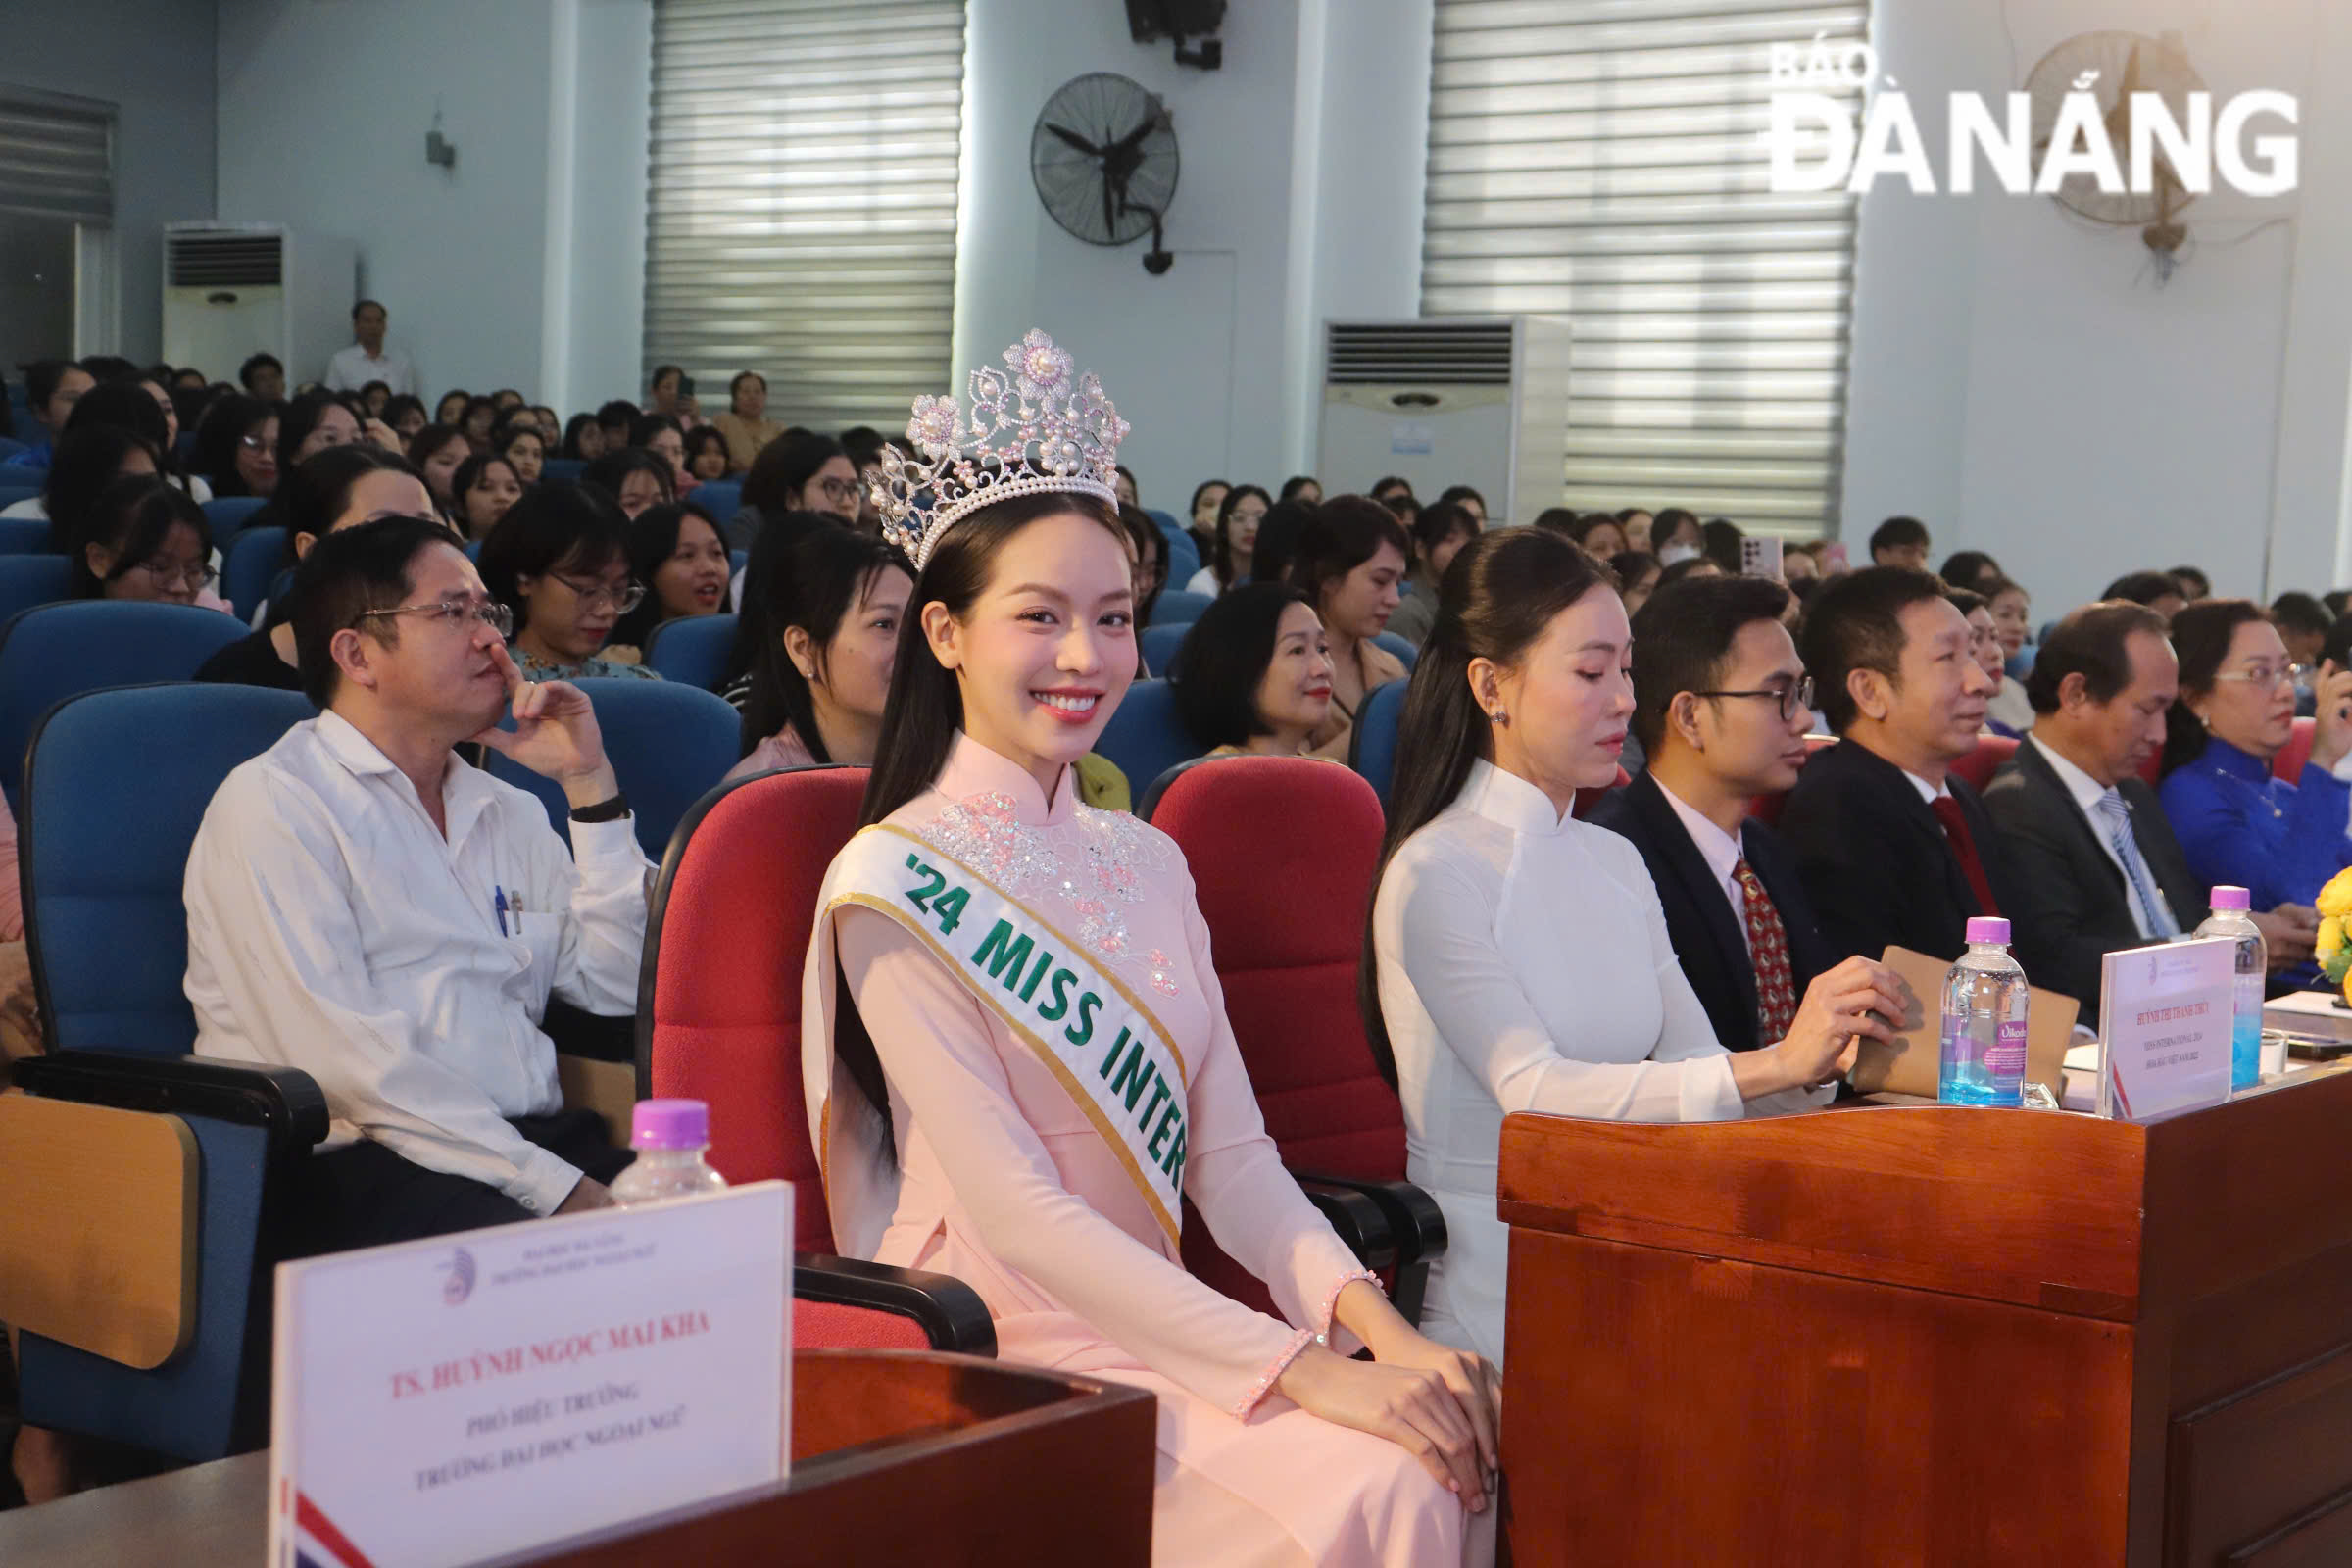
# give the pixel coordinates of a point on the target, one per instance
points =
(1784, 774)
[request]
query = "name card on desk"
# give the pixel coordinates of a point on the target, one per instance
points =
(2164, 1027)
(449, 1400)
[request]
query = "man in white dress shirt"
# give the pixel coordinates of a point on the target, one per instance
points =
(365, 906)
(367, 359)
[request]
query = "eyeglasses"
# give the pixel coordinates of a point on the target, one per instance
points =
(196, 578)
(456, 612)
(591, 595)
(1794, 700)
(253, 443)
(838, 489)
(2265, 673)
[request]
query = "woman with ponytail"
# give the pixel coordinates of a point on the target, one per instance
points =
(1016, 1051)
(1517, 959)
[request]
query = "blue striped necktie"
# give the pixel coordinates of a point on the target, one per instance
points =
(2159, 917)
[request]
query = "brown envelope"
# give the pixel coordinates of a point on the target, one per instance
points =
(1910, 1063)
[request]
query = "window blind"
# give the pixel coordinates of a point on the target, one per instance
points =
(57, 156)
(1600, 160)
(802, 220)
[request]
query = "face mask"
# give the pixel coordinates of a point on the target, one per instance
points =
(1672, 554)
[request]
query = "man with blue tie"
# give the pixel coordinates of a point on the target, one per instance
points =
(2087, 842)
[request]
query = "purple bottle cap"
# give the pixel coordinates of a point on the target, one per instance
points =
(670, 1124)
(1988, 928)
(2229, 898)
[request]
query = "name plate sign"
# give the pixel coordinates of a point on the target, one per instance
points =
(455, 1399)
(2164, 1027)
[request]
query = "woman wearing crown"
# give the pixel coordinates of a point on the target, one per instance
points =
(1018, 1059)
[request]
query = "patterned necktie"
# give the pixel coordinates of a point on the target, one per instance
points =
(1964, 849)
(2159, 915)
(1768, 948)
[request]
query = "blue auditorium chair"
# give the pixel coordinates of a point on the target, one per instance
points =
(29, 580)
(13, 490)
(1146, 737)
(720, 498)
(53, 651)
(1159, 644)
(669, 743)
(1372, 744)
(23, 536)
(225, 515)
(9, 448)
(567, 470)
(1179, 608)
(692, 649)
(108, 815)
(1402, 647)
(1184, 556)
(251, 563)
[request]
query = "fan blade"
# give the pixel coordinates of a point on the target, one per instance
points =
(1073, 139)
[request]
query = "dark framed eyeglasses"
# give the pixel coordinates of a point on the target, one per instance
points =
(1792, 700)
(456, 612)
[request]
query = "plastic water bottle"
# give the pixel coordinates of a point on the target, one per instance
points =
(670, 1137)
(1984, 1000)
(2230, 919)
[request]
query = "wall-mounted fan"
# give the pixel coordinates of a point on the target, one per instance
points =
(1103, 157)
(2115, 66)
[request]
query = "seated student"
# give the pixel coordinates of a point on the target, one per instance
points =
(332, 489)
(618, 418)
(85, 462)
(2237, 824)
(1721, 707)
(365, 906)
(1518, 958)
(2160, 591)
(1637, 522)
(632, 480)
(833, 605)
(745, 424)
(1676, 536)
(236, 447)
(1972, 570)
(706, 454)
(139, 408)
(2097, 867)
(674, 549)
(263, 375)
(2013, 618)
(51, 389)
(523, 445)
(1900, 542)
(958, 1143)
(666, 439)
(1438, 531)
(2002, 716)
(1253, 673)
(143, 539)
(405, 415)
(1894, 851)
(1279, 535)
(1208, 497)
(1637, 576)
(584, 438)
(559, 560)
(1465, 497)
(1351, 559)
(483, 487)
(1232, 558)
(1600, 535)
(2194, 584)
(1303, 487)
(1150, 548)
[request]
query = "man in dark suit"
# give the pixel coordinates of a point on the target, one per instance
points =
(2096, 863)
(1894, 850)
(1721, 707)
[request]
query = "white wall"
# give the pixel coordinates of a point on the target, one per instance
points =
(2018, 380)
(1298, 195)
(152, 58)
(520, 266)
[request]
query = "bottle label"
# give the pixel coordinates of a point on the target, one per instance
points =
(2248, 999)
(2005, 1058)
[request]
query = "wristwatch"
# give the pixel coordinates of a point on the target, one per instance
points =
(604, 811)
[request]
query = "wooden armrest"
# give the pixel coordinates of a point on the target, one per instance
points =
(98, 1226)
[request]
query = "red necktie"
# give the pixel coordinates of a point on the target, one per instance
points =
(1768, 950)
(1964, 849)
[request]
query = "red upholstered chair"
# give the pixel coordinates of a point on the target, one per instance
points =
(719, 1019)
(1766, 808)
(1282, 852)
(1979, 765)
(2288, 764)
(1586, 799)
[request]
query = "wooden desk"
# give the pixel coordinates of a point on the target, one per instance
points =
(1933, 1335)
(898, 1456)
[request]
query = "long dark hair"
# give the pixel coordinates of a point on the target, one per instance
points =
(132, 517)
(777, 481)
(652, 540)
(922, 713)
(1221, 562)
(2201, 635)
(813, 583)
(1500, 592)
(225, 423)
(83, 463)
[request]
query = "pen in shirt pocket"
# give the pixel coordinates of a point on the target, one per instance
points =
(497, 902)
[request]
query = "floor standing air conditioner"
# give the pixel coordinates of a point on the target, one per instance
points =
(1480, 401)
(232, 290)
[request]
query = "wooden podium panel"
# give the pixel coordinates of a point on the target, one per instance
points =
(898, 1456)
(1934, 1334)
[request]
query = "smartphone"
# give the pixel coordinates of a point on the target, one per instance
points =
(1760, 557)
(1833, 560)
(685, 387)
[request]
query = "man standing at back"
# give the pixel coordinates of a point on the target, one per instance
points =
(1721, 706)
(369, 359)
(365, 906)
(1894, 851)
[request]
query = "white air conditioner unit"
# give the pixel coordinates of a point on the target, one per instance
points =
(1480, 401)
(232, 290)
